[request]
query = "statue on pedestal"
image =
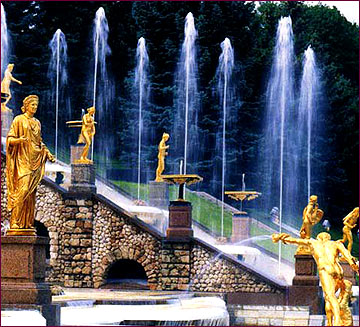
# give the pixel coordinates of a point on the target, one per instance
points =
(86, 135)
(26, 156)
(5, 86)
(326, 255)
(350, 222)
(161, 157)
(311, 216)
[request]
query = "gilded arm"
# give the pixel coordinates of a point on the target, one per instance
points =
(348, 257)
(287, 239)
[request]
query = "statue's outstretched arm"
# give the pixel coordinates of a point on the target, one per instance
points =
(287, 239)
(348, 257)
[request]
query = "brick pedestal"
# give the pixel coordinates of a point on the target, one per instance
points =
(82, 178)
(180, 221)
(75, 152)
(23, 284)
(349, 274)
(159, 194)
(240, 227)
(175, 265)
(305, 289)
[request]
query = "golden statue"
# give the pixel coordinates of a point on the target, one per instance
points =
(326, 255)
(26, 155)
(344, 300)
(86, 135)
(161, 157)
(349, 223)
(311, 216)
(5, 85)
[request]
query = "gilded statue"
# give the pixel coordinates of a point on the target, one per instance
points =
(5, 85)
(26, 156)
(86, 135)
(311, 216)
(326, 255)
(161, 157)
(350, 222)
(344, 300)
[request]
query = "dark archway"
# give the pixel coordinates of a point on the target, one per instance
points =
(41, 230)
(126, 274)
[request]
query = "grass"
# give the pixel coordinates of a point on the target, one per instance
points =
(204, 211)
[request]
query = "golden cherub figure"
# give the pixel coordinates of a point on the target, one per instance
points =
(326, 255)
(311, 216)
(349, 223)
(26, 156)
(5, 85)
(86, 135)
(161, 157)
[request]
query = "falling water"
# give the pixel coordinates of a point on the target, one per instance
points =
(102, 87)
(308, 104)
(226, 64)
(4, 42)
(280, 155)
(141, 86)
(57, 74)
(188, 104)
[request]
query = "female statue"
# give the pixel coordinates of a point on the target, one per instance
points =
(87, 134)
(350, 222)
(161, 157)
(5, 84)
(26, 156)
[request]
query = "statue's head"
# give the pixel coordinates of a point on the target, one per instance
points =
(313, 198)
(323, 237)
(10, 67)
(165, 136)
(355, 212)
(30, 103)
(91, 110)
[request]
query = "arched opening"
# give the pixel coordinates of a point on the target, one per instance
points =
(126, 274)
(41, 230)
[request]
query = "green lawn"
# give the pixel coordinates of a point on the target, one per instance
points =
(204, 211)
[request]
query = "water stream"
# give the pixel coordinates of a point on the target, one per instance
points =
(5, 40)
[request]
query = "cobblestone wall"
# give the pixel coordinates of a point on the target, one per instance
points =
(116, 238)
(211, 273)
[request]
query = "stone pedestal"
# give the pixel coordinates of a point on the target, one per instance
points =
(75, 152)
(305, 289)
(240, 226)
(180, 221)
(82, 178)
(349, 274)
(159, 194)
(23, 262)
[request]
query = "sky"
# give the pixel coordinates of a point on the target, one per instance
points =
(350, 9)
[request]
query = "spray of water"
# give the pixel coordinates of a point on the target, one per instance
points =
(4, 42)
(57, 73)
(279, 137)
(187, 104)
(102, 93)
(141, 85)
(308, 103)
(224, 72)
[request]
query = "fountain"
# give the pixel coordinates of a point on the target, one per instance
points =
(308, 105)
(5, 42)
(224, 72)
(57, 73)
(141, 85)
(280, 182)
(186, 118)
(103, 92)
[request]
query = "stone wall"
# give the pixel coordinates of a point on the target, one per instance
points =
(211, 272)
(88, 233)
(115, 237)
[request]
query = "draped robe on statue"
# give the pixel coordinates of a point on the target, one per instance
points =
(25, 167)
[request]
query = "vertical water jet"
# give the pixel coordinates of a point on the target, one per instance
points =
(186, 118)
(4, 42)
(224, 72)
(57, 73)
(141, 85)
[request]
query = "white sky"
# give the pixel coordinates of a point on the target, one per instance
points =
(350, 9)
